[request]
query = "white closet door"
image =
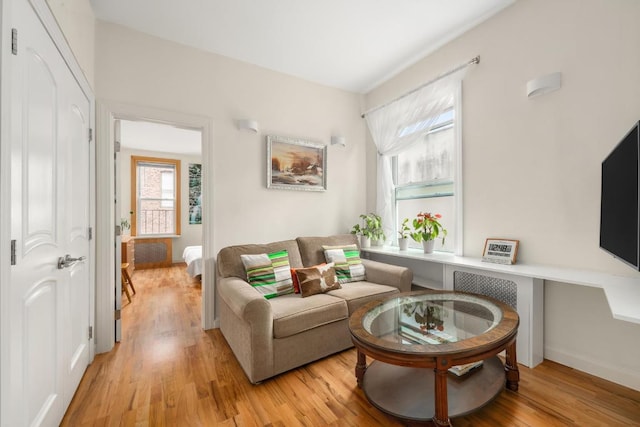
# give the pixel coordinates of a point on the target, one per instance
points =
(74, 113)
(48, 302)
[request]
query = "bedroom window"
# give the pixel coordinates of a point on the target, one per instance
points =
(155, 192)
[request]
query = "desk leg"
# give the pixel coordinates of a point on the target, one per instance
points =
(511, 367)
(361, 367)
(441, 417)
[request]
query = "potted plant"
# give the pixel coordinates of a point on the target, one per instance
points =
(365, 241)
(371, 230)
(404, 232)
(374, 224)
(427, 229)
(125, 226)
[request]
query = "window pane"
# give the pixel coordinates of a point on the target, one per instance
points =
(167, 189)
(442, 120)
(150, 179)
(153, 218)
(425, 183)
(432, 159)
(156, 198)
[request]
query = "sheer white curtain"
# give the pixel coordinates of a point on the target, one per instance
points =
(402, 123)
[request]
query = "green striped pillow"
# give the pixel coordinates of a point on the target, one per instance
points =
(348, 265)
(269, 274)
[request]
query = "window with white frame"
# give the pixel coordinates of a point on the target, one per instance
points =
(425, 177)
(155, 187)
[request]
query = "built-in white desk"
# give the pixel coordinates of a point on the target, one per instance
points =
(439, 271)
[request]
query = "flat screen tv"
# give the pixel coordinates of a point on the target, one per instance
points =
(619, 211)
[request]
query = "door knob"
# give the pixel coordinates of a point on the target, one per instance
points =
(67, 261)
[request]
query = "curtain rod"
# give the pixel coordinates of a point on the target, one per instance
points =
(475, 60)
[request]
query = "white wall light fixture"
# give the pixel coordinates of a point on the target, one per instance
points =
(247, 124)
(544, 84)
(338, 140)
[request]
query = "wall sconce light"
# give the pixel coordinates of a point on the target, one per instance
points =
(544, 84)
(247, 124)
(339, 140)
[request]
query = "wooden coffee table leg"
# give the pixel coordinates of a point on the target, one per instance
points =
(511, 368)
(361, 367)
(441, 417)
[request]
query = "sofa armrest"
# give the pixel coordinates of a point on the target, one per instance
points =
(244, 301)
(246, 321)
(388, 274)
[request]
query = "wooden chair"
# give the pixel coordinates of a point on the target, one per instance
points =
(126, 281)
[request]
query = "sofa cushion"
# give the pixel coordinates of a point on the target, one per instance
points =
(229, 263)
(311, 250)
(358, 293)
(269, 274)
(317, 280)
(346, 258)
(293, 314)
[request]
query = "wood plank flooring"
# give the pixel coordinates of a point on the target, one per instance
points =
(168, 372)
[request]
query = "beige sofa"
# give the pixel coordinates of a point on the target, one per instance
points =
(271, 336)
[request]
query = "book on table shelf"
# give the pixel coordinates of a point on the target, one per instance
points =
(461, 370)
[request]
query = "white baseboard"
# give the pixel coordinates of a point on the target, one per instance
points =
(595, 367)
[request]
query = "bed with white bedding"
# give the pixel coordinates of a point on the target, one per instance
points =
(192, 255)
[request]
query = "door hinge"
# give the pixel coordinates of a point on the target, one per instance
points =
(90, 233)
(90, 332)
(13, 252)
(14, 41)
(116, 314)
(90, 134)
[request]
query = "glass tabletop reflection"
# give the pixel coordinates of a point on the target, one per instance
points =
(431, 319)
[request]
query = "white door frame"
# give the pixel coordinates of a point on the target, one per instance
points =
(107, 112)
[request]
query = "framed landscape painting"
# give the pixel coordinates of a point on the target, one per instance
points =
(296, 164)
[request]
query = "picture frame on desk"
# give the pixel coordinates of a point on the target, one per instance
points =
(500, 251)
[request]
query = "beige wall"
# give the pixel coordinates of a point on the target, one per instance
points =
(190, 234)
(532, 166)
(545, 151)
(77, 21)
(137, 69)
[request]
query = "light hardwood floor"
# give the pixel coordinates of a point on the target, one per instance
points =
(168, 372)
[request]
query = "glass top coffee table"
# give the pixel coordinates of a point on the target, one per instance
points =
(445, 332)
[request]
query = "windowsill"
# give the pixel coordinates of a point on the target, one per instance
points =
(158, 236)
(623, 293)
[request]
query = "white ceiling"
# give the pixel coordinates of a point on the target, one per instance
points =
(349, 44)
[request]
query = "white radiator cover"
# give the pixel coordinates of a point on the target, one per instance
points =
(524, 294)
